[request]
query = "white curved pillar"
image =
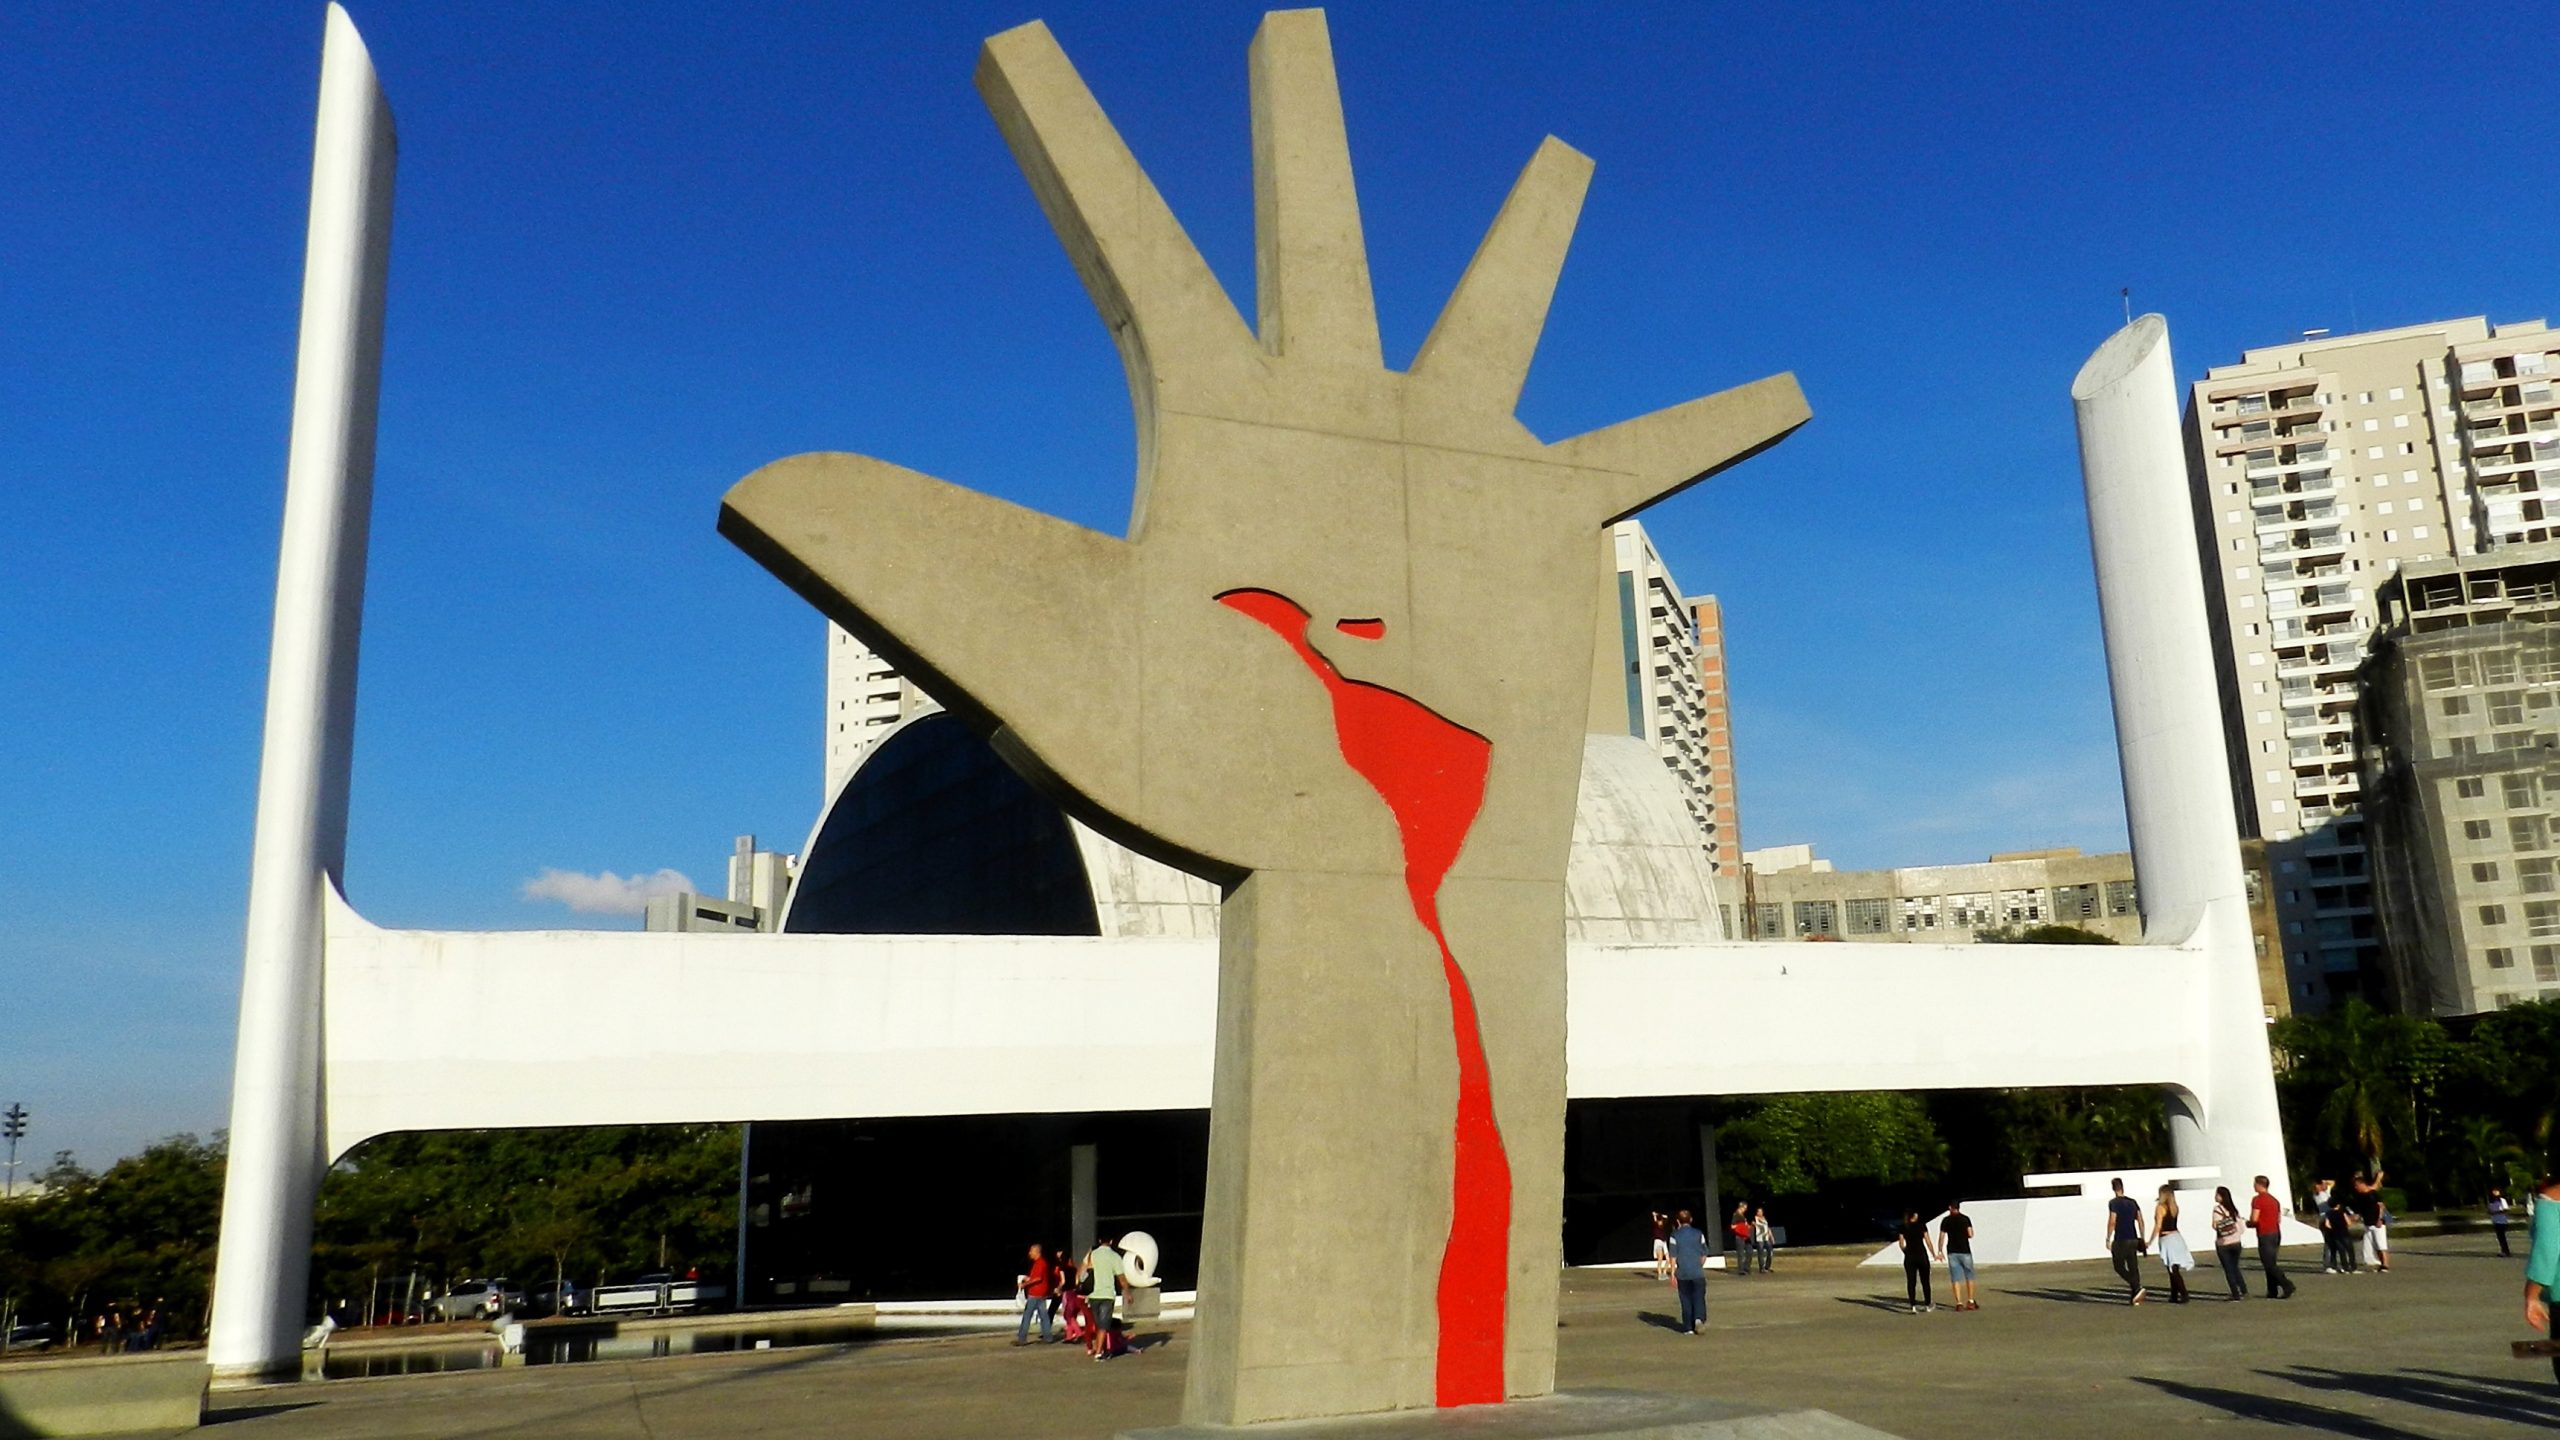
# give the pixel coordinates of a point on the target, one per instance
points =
(276, 1112)
(2171, 744)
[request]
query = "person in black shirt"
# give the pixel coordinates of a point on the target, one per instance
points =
(1913, 1236)
(2124, 1240)
(2337, 1236)
(1955, 1246)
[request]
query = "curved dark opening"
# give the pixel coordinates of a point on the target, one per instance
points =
(936, 835)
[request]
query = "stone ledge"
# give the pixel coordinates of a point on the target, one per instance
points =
(1566, 1415)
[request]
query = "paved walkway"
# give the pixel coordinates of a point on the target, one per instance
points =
(2421, 1352)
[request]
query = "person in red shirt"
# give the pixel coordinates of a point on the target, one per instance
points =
(2266, 1216)
(1035, 1285)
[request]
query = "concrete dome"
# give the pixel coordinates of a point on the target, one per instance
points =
(1637, 872)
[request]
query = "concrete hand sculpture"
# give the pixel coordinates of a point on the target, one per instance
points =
(1342, 665)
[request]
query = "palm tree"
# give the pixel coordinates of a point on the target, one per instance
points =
(2480, 1153)
(2357, 1058)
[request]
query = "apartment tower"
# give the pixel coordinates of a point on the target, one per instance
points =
(865, 696)
(2319, 467)
(1666, 658)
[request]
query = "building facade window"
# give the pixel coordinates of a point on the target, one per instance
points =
(1870, 917)
(1817, 917)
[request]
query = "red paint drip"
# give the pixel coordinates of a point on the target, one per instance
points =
(1431, 772)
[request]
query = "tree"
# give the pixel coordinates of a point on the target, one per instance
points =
(2051, 934)
(1796, 1144)
(2476, 1153)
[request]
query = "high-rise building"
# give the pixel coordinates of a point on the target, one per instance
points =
(1663, 658)
(865, 696)
(2462, 779)
(2319, 467)
(1723, 817)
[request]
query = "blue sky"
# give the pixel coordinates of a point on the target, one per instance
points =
(642, 248)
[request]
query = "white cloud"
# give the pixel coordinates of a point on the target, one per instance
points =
(604, 893)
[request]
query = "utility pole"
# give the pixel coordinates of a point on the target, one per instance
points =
(13, 1123)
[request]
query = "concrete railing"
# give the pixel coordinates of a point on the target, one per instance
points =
(106, 1396)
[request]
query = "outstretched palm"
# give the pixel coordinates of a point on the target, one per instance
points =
(1291, 461)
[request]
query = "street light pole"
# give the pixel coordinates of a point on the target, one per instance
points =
(13, 1123)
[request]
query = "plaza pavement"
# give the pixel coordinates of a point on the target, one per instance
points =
(2421, 1352)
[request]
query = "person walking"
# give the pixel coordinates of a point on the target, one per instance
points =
(2226, 1240)
(1955, 1246)
(2498, 1218)
(1763, 1238)
(2124, 1241)
(1913, 1236)
(2266, 1217)
(1061, 1282)
(1661, 1247)
(1689, 1272)
(2175, 1257)
(1739, 1227)
(1032, 1286)
(2542, 1262)
(1102, 1267)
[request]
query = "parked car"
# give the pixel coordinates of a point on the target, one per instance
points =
(35, 1335)
(565, 1298)
(477, 1300)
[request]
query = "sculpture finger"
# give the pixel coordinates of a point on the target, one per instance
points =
(1145, 276)
(1311, 266)
(1481, 345)
(996, 610)
(1654, 456)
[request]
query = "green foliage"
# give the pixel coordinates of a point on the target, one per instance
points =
(1796, 1144)
(2055, 934)
(527, 1204)
(2448, 1110)
(2044, 1131)
(140, 1234)
(531, 1205)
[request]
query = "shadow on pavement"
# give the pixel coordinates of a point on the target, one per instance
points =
(255, 1412)
(2458, 1393)
(1659, 1321)
(1876, 1302)
(2074, 1297)
(2530, 1387)
(2274, 1411)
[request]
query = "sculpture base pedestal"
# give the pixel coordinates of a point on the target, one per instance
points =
(1588, 1414)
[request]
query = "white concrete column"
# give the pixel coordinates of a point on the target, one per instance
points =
(276, 1104)
(2170, 741)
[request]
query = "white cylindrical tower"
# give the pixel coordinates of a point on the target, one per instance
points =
(2170, 740)
(300, 847)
